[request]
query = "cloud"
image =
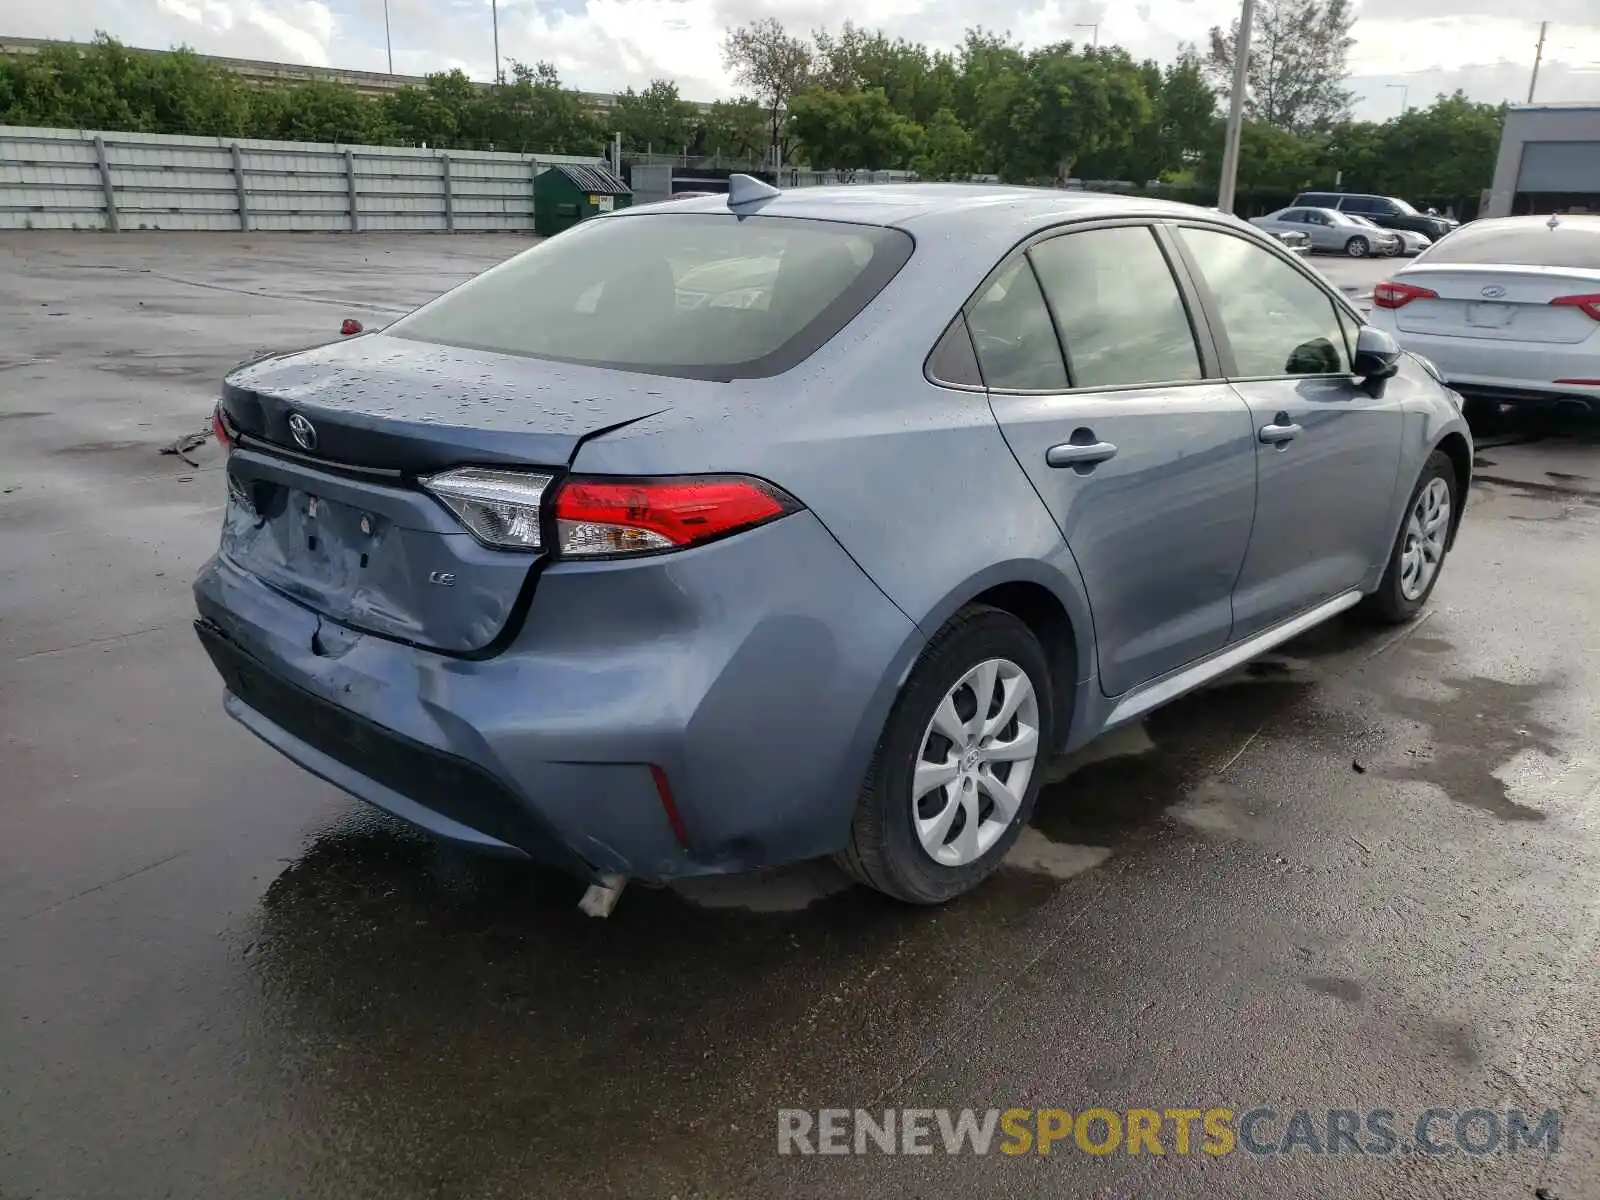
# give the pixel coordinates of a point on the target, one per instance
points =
(607, 45)
(305, 29)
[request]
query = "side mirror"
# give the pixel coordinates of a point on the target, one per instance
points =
(1377, 359)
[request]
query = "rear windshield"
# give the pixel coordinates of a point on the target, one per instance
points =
(1534, 244)
(700, 295)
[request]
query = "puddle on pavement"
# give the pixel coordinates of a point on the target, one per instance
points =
(1059, 860)
(413, 998)
(1217, 808)
(1127, 784)
(1472, 731)
(787, 889)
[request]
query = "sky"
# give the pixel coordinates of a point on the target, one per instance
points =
(1415, 50)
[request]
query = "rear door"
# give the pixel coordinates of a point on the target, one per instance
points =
(1327, 453)
(1325, 235)
(1143, 455)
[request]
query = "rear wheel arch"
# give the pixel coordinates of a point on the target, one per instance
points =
(1041, 610)
(1454, 445)
(1051, 604)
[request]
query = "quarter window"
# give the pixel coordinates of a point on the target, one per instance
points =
(1012, 333)
(1276, 320)
(1121, 316)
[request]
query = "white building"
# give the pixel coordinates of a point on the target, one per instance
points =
(1549, 161)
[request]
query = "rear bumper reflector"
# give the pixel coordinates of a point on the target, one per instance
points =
(669, 805)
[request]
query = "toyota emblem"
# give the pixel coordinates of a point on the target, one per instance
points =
(1494, 291)
(305, 433)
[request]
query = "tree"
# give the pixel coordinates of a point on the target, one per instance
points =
(1357, 151)
(324, 112)
(1064, 106)
(1270, 160)
(535, 112)
(852, 130)
(774, 65)
(1188, 111)
(917, 83)
(417, 117)
(945, 149)
(734, 127)
(989, 68)
(1444, 153)
(1296, 71)
(105, 85)
(654, 119)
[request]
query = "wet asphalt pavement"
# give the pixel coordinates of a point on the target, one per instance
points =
(1361, 873)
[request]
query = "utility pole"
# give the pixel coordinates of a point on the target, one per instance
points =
(387, 44)
(1241, 75)
(1405, 93)
(1095, 34)
(494, 9)
(1538, 57)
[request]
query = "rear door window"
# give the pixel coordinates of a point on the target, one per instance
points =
(1122, 319)
(701, 295)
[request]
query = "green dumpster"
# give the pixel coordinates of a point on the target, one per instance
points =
(565, 194)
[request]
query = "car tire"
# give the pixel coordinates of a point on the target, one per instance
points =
(1357, 247)
(886, 851)
(1398, 599)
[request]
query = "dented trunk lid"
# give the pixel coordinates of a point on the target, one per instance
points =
(337, 520)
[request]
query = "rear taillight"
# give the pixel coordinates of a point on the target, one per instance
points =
(598, 517)
(1390, 294)
(500, 508)
(220, 430)
(1588, 305)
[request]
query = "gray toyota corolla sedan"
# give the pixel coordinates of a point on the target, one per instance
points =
(768, 526)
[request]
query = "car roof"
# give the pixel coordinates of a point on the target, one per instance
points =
(934, 208)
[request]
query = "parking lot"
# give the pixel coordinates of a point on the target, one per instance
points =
(1363, 873)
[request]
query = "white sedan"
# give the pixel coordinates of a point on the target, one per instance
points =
(1507, 309)
(1411, 242)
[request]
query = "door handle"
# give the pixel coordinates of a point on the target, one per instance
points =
(1277, 435)
(1079, 454)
